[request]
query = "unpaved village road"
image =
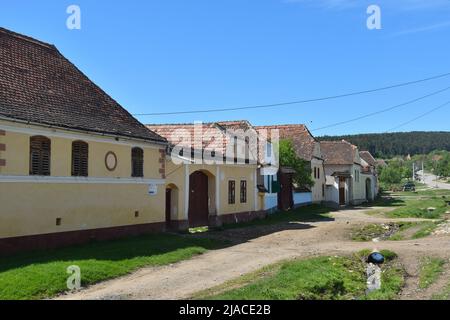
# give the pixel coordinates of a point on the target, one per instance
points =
(256, 247)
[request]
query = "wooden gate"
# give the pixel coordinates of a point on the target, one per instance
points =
(285, 196)
(198, 200)
(168, 207)
(342, 191)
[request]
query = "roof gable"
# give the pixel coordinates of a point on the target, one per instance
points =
(367, 157)
(39, 85)
(339, 152)
(302, 139)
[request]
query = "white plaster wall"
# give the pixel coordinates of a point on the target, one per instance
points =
(303, 198)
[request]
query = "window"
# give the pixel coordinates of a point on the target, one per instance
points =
(269, 150)
(80, 153)
(247, 150)
(243, 191)
(137, 163)
(40, 151)
(315, 173)
(231, 192)
(318, 173)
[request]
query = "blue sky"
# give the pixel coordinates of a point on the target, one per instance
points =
(178, 55)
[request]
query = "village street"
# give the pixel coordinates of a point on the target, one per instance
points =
(256, 247)
(430, 180)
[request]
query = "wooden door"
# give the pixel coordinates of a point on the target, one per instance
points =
(285, 196)
(198, 200)
(168, 206)
(342, 191)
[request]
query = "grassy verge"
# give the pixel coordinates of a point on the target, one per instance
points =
(413, 204)
(419, 209)
(322, 278)
(43, 274)
(444, 295)
(304, 214)
(394, 231)
(430, 270)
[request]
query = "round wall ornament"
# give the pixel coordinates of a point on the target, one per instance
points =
(111, 161)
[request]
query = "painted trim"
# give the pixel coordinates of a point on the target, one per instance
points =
(59, 133)
(78, 180)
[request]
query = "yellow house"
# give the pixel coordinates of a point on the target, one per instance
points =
(199, 193)
(74, 165)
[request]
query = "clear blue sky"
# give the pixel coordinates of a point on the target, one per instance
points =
(159, 56)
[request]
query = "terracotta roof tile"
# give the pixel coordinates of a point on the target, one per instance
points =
(338, 152)
(367, 157)
(300, 136)
(39, 85)
(215, 135)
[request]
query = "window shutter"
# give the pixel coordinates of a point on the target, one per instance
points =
(80, 159)
(231, 192)
(40, 151)
(137, 163)
(243, 191)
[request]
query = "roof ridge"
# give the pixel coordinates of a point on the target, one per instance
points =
(27, 38)
(283, 125)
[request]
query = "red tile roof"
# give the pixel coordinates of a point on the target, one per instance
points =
(183, 135)
(301, 137)
(39, 85)
(214, 136)
(367, 157)
(338, 152)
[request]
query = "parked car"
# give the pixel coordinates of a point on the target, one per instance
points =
(409, 186)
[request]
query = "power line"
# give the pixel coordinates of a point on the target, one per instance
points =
(380, 111)
(420, 117)
(295, 102)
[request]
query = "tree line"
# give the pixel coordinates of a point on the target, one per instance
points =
(388, 145)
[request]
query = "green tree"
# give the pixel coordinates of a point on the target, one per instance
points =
(390, 175)
(302, 168)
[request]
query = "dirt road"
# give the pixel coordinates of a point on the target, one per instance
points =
(256, 247)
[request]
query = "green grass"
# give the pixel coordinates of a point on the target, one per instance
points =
(444, 295)
(322, 278)
(304, 214)
(43, 274)
(430, 270)
(396, 232)
(414, 208)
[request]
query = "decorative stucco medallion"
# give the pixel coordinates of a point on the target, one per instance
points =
(111, 161)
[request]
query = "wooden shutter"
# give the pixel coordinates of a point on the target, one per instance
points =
(243, 191)
(80, 158)
(231, 192)
(40, 151)
(137, 163)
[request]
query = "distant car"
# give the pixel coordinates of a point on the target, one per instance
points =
(409, 186)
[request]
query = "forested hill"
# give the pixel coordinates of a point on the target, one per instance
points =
(401, 143)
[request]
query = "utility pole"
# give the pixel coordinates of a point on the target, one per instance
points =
(423, 173)
(414, 172)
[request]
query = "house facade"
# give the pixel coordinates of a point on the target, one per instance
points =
(308, 149)
(201, 194)
(75, 166)
(347, 180)
(369, 172)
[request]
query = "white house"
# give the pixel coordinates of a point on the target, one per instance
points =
(350, 180)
